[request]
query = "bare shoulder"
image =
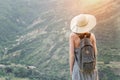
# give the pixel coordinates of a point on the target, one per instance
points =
(72, 35)
(93, 37)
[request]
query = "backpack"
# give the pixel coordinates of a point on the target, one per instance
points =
(87, 56)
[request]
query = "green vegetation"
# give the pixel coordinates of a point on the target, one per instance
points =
(35, 33)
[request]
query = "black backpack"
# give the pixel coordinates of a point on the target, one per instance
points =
(87, 58)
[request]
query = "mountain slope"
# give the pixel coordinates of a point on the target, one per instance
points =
(36, 33)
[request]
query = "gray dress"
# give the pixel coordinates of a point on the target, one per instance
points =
(77, 75)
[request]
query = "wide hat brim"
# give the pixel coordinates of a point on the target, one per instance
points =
(90, 25)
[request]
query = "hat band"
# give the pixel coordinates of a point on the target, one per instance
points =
(82, 24)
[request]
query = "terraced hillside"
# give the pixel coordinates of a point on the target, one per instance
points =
(35, 33)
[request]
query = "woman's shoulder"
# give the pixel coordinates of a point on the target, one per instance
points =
(72, 34)
(92, 35)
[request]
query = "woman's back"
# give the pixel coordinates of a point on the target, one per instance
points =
(77, 38)
(77, 74)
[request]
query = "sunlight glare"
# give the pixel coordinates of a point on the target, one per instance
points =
(89, 2)
(86, 5)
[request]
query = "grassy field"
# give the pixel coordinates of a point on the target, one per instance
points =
(6, 78)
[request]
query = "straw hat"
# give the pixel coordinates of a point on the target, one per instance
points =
(83, 23)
